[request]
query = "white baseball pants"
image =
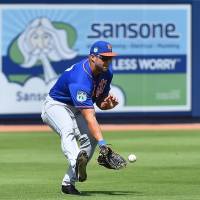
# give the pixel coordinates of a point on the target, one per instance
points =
(72, 128)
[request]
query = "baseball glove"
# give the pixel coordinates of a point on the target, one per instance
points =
(109, 159)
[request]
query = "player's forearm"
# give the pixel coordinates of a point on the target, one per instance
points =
(95, 129)
(92, 123)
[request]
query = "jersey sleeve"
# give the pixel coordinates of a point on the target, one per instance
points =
(107, 88)
(81, 96)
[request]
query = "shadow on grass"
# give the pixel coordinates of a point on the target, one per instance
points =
(90, 193)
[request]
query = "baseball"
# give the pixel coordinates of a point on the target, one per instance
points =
(132, 158)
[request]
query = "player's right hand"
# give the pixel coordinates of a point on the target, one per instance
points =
(109, 102)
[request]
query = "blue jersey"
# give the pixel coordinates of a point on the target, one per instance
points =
(78, 87)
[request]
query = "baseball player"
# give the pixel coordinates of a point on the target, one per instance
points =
(69, 111)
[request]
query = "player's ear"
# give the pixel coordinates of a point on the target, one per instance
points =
(92, 57)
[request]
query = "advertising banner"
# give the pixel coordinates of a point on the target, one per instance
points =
(152, 72)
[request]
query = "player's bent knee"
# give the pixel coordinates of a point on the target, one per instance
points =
(84, 141)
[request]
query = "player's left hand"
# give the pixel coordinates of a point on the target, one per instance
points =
(109, 159)
(109, 102)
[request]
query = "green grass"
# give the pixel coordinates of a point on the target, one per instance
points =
(168, 167)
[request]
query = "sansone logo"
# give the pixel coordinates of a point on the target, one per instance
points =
(134, 30)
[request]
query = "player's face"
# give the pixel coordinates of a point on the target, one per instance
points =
(102, 62)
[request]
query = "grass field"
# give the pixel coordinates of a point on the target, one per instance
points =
(168, 167)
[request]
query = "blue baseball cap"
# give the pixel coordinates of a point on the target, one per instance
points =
(102, 48)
